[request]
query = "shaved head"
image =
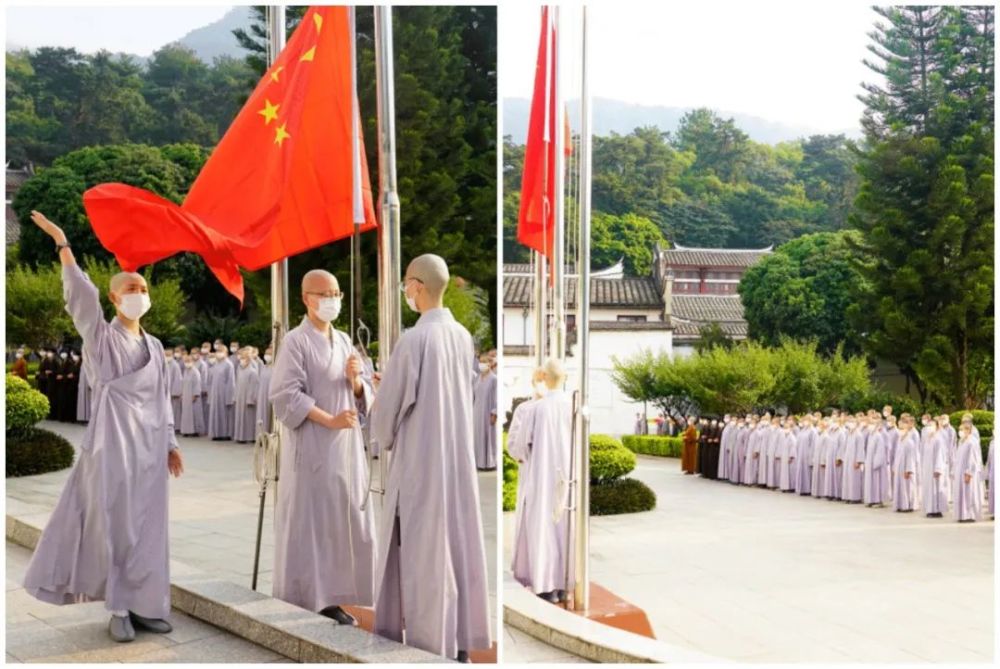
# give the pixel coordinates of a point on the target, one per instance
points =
(319, 280)
(126, 282)
(432, 271)
(554, 372)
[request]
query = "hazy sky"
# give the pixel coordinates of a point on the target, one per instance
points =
(796, 63)
(139, 30)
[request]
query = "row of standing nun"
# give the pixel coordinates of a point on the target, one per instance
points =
(862, 459)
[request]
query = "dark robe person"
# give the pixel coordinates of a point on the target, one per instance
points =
(699, 461)
(689, 453)
(72, 389)
(45, 377)
(62, 369)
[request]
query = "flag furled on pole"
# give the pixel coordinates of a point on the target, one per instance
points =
(289, 175)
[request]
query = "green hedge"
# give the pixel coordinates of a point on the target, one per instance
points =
(609, 460)
(36, 451)
(509, 478)
(620, 496)
(983, 420)
(669, 447)
(25, 405)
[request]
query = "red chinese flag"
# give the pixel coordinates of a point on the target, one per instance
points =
(289, 174)
(536, 220)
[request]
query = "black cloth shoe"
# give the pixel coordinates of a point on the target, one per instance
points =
(339, 614)
(550, 597)
(155, 625)
(463, 657)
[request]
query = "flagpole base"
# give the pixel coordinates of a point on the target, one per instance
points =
(609, 609)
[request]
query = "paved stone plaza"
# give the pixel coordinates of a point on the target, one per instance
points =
(213, 512)
(758, 576)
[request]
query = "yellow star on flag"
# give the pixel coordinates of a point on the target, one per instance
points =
(319, 22)
(277, 71)
(269, 112)
(308, 55)
(280, 135)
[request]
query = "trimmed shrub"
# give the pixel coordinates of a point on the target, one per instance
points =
(983, 420)
(36, 451)
(609, 460)
(669, 447)
(25, 405)
(509, 478)
(620, 496)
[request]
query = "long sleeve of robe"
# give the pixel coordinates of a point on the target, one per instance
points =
(324, 550)
(484, 407)
(192, 417)
(432, 569)
(247, 387)
(106, 539)
(968, 494)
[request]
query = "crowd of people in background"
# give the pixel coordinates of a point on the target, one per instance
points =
(484, 407)
(862, 458)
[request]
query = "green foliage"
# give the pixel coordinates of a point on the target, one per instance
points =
(469, 305)
(510, 471)
(669, 447)
(25, 405)
(36, 312)
(626, 236)
(803, 290)
(36, 451)
(983, 420)
(620, 496)
(925, 207)
(745, 378)
(711, 336)
(609, 460)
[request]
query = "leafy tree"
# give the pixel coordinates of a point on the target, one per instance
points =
(711, 336)
(470, 306)
(36, 312)
(628, 236)
(720, 147)
(925, 208)
(803, 290)
(255, 39)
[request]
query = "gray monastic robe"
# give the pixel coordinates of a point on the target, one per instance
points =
(192, 417)
(264, 400)
(202, 368)
(432, 563)
(245, 428)
(907, 460)
(221, 395)
(991, 495)
(484, 407)
(547, 562)
(968, 494)
(726, 442)
(174, 374)
(836, 489)
(934, 460)
(804, 455)
(738, 458)
(788, 461)
(854, 458)
(519, 447)
(83, 397)
(876, 473)
(107, 536)
(324, 553)
(752, 463)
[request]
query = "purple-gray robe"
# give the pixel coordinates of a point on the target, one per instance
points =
(107, 536)
(174, 374)
(854, 459)
(519, 447)
(804, 455)
(752, 463)
(739, 452)
(990, 481)
(934, 472)
(192, 417)
(264, 400)
(725, 451)
(245, 427)
(968, 494)
(876, 473)
(324, 553)
(546, 562)
(788, 461)
(906, 461)
(826, 484)
(221, 395)
(202, 368)
(83, 397)
(836, 488)
(432, 560)
(484, 407)
(765, 471)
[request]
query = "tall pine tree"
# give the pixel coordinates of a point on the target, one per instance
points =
(925, 207)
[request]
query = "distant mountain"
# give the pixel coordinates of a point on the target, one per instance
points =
(624, 117)
(216, 39)
(208, 42)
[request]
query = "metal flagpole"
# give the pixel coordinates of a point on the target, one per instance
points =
(559, 233)
(388, 234)
(581, 596)
(267, 447)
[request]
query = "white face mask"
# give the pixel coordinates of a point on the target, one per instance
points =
(268, 357)
(205, 350)
(18, 355)
(328, 309)
(134, 305)
(244, 362)
(63, 355)
(221, 355)
(211, 360)
(483, 367)
(177, 356)
(233, 348)
(189, 365)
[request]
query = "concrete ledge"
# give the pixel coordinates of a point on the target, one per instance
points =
(586, 638)
(286, 629)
